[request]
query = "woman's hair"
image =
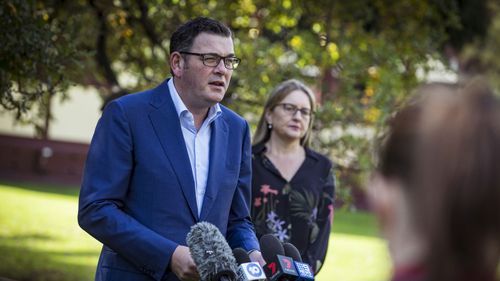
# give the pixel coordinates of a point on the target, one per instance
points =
(445, 148)
(263, 133)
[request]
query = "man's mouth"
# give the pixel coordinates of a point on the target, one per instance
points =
(217, 83)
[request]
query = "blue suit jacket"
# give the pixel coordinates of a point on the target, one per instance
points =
(137, 195)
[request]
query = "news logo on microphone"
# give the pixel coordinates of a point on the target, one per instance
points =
(248, 270)
(253, 271)
(304, 271)
(282, 268)
(287, 265)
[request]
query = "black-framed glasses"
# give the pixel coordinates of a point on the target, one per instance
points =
(230, 62)
(292, 109)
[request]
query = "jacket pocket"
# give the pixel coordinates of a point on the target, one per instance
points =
(115, 268)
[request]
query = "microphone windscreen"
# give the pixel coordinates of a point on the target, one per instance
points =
(211, 253)
(241, 256)
(292, 251)
(270, 247)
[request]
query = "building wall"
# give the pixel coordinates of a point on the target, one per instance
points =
(60, 159)
(74, 119)
(41, 161)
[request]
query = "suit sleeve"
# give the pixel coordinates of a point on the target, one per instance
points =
(102, 212)
(241, 232)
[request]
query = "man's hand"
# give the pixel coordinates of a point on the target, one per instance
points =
(182, 264)
(257, 256)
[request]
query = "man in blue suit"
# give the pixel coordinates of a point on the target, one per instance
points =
(166, 158)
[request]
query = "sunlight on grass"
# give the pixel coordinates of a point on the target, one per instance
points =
(353, 258)
(355, 252)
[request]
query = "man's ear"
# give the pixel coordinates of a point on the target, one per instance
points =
(176, 64)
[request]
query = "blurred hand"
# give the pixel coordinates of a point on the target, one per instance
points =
(183, 266)
(257, 257)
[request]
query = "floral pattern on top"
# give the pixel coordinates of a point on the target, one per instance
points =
(299, 211)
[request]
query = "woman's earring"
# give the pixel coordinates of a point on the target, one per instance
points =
(269, 126)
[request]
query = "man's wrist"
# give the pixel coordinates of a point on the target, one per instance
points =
(251, 251)
(256, 256)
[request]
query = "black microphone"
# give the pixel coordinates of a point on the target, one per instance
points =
(248, 270)
(303, 269)
(211, 253)
(292, 251)
(278, 266)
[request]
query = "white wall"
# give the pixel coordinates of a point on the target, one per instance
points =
(74, 119)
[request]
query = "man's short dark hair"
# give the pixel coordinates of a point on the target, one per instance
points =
(182, 39)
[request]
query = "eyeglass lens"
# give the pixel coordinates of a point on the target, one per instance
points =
(212, 60)
(292, 109)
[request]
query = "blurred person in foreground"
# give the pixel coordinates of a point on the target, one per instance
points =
(436, 191)
(164, 159)
(293, 186)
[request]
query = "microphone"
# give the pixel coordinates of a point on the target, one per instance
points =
(303, 269)
(211, 253)
(292, 251)
(278, 267)
(248, 270)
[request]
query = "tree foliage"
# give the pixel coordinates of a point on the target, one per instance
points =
(362, 57)
(34, 55)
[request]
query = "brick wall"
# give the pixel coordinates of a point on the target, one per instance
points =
(44, 161)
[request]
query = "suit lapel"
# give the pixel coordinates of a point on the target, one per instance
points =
(168, 130)
(218, 150)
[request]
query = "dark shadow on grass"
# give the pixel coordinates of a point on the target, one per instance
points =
(22, 263)
(355, 223)
(69, 190)
(20, 240)
(37, 236)
(25, 264)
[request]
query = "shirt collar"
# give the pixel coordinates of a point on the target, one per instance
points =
(259, 148)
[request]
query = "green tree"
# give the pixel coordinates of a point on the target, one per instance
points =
(362, 57)
(35, 52)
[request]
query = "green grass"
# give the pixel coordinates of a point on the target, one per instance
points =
(40, 240)
(355, 251)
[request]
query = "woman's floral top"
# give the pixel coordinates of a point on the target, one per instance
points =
(300, 211)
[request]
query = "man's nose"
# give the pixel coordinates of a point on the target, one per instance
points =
(221, 67)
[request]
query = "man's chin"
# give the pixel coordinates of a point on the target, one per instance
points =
(217, 97)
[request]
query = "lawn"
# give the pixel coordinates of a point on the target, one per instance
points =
(355, 251)
(40, 240)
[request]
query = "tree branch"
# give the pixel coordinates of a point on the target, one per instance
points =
(148, 26)
(101, 56)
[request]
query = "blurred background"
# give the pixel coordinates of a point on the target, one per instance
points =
(62, 61)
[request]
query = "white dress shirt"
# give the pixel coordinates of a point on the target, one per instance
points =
(197, 142)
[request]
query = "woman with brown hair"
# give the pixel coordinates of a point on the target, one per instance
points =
(436, 191)
(293, 186)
